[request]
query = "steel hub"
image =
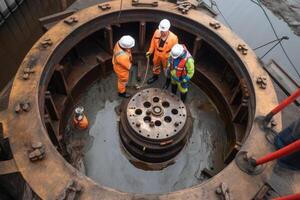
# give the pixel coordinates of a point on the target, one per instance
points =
(154, 125)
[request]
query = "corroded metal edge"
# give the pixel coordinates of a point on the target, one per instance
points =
(50, 177)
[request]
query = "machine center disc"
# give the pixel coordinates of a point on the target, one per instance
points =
(156, 114)
(154, 125)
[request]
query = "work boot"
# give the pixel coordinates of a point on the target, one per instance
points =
(183, 96)
(167, 84)
(124, 95)
(152, 79)
(174, 88)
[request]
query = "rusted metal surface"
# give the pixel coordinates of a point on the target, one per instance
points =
(8, 167)
(53, 173)
(144, 3)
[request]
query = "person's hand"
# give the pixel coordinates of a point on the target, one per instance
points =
(148, 54)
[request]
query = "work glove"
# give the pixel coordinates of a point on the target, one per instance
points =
(148, 54)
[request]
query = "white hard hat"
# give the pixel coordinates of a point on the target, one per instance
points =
(126, 42)
(177, 51)
(79, 112)
(164, 25)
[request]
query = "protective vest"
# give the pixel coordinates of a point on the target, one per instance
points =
(121, 59)
(81, 124)
(166, 49)
(180, 67)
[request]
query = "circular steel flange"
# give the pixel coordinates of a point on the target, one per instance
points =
(154, 125)
(55, 173)
(156, 114)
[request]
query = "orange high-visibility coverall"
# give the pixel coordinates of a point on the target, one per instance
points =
(81, 124)
(122, 61)
(161, 54)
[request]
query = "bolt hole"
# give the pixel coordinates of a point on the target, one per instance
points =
(147, 104)
(132, 122)
(140, 131)
(175, 130)
(147, 119)
(157, 123)
(148, 135)
(155, 99)
(165, 104)
(138, 111)
(174, 111)
(133, 99)
(168, 119)
(167, 135)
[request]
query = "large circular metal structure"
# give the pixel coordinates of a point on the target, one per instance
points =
(154, 125)
(35, 117)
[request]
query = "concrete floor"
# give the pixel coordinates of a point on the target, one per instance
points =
(106, 162)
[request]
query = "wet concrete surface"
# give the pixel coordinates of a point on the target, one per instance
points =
(249, 22)
(288, 10)
(107, 163)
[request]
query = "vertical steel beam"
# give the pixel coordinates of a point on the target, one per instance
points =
(196, 46)
(142, 35)
(241, 113)
(50, 106)
(51, 132)
(59, 81)
(108, 35)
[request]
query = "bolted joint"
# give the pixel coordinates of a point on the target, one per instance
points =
(37, 151)
(215, 25)
(71, 20)
(242, 48)
(46, 42)
(261, 81)
(22, 107)
(223, 191)
(105, 6)
(248, 163)
(71, 191)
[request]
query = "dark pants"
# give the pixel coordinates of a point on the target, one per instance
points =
(284, 138)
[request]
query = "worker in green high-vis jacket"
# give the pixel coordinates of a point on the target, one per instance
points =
(180, 69)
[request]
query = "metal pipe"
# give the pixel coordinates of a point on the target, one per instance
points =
(289, 197)
(289, 149)
(282, 105)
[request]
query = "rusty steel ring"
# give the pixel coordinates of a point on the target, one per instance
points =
(52, 175)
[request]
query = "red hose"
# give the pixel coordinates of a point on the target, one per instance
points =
(285, 102)
(291, 148)
(289, 197)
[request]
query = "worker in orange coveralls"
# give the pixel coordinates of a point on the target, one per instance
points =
(161, 44)
(80, 121)
(122, 61)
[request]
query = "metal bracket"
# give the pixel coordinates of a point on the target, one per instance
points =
(215, 25)
(223, 191)
(104, 6)
(184, 6)
(71, 191)
(247, 163)
(265, 192)
(242, 48)
(262, 82)
(37, 152)
(71, 20)
(23, 106)
(26, 73)
(46, 42)
(144, 3)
